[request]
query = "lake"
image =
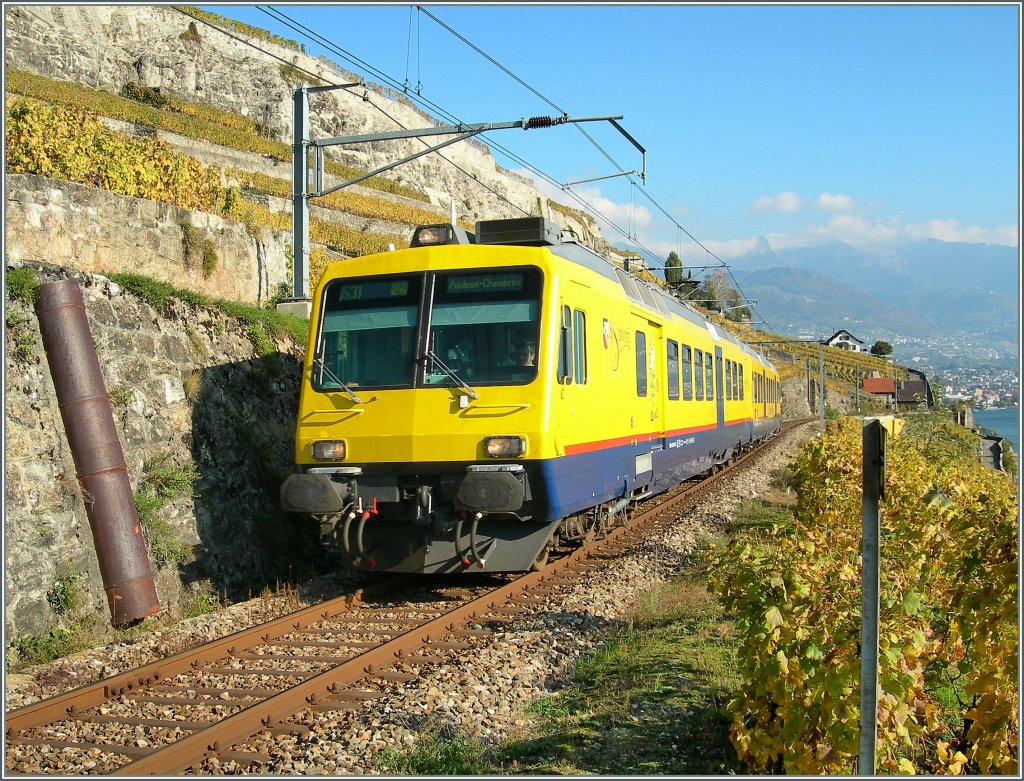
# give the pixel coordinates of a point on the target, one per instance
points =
(1005, 422)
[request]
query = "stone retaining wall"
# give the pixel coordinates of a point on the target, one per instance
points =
(187, 386)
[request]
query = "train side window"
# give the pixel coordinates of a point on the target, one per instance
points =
(728, 380)
(709, 377)
(641, 364)
(565, 348)
(687, 373)
(672, 351)
(698, 374)
(739, 374)
(580, 345)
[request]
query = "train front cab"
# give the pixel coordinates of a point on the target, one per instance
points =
(419, 446)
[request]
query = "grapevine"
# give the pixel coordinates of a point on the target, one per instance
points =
(948, 602)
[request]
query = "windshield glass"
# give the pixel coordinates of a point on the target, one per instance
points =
(367, 337)
(485, 326)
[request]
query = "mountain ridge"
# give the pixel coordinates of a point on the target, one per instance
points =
(919, 290)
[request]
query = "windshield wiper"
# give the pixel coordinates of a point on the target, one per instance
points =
(334, 378)
(451, 374)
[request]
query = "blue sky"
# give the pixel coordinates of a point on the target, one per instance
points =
(869, 124)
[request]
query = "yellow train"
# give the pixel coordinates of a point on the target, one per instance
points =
(476, 400)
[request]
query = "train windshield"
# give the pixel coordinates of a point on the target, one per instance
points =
(483, 326)
(367, 337)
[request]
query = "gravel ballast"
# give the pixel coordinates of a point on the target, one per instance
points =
(482, 692)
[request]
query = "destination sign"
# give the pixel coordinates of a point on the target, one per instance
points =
(486, 283)
(374, 291)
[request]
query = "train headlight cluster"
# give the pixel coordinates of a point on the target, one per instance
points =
(329, 450)
(504, 447)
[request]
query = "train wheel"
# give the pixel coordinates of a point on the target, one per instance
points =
(542, 558)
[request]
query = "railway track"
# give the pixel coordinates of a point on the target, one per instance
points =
(208, 706)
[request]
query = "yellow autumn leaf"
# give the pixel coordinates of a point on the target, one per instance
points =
(906, 767)
(783, 662)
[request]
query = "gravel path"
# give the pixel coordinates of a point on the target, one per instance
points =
(481, 692)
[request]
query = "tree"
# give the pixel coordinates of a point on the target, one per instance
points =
(881, 348)
(673, 269)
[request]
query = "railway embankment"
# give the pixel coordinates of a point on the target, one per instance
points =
(482, 692)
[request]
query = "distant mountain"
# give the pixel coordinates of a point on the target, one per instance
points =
(797, 300)
(915, 289)
(923, 290)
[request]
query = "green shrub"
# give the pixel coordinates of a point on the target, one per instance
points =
(210, 259)
(162, 481)
(140, 94)
(65, 595)
(55, 644)
(21, 285)
(23, 340)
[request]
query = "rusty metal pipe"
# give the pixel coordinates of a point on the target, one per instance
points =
(96, 449)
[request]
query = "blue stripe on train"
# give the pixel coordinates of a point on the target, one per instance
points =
(576, 482)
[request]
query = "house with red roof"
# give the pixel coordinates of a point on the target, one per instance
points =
(882, 387)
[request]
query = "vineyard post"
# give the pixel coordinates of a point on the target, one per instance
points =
(821, 385)
(874, 468)
(875, 434)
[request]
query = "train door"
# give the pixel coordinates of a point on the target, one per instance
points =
(720, 399)
(647, 422)
(764, 395)
(656, 372)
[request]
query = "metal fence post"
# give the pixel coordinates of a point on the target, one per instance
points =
(874, 436)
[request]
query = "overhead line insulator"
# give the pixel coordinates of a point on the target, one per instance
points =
(538, 122)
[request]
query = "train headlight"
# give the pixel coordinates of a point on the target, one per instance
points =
(329, 450)
(431, 234)
(504, 447)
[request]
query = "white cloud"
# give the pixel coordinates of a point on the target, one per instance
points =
(834, 203)
(861, 229)
(783, 202)
(858, 230)
(629, 217)
(952, 230)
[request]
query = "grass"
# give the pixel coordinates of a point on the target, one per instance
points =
(162, 481)
(54, 644)
(262, 324)
(648, 703)
(21, 285)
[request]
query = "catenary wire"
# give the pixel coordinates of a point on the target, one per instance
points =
(298, 27)
(554, 105)
(316, 37)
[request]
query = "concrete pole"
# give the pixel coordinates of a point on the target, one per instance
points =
(300, 191)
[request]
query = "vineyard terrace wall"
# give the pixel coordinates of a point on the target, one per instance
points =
(93, 230)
